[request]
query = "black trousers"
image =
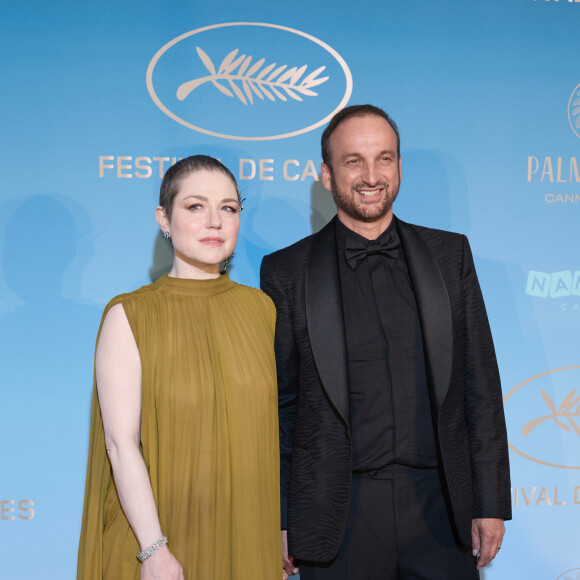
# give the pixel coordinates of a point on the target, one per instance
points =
(398, 528)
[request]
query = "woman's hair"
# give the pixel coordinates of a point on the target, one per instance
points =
(175, 175)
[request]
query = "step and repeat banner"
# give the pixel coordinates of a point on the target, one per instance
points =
(99, 99)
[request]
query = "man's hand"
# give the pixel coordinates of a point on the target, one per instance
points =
(486, 538)
(288, 568)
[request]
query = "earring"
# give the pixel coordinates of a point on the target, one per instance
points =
(166, 236)
(227, 263)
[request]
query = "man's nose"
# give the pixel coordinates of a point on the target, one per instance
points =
(370, 173)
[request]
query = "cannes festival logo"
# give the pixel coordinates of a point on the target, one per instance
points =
(210, 80)
(544, 418)
(574, 111)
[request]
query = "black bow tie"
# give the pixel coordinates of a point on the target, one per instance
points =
(357, 250)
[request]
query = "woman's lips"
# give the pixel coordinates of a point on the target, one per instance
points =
(214, 242)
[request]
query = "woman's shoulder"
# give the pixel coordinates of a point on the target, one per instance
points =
(126, 298)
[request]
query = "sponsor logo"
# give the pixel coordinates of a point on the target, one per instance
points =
(573, 574)
(207, 81)
(556, 173)
(544, 417)
(574, 110)
(554, 285)
(559, 288)
(553, 169)
(559, 173)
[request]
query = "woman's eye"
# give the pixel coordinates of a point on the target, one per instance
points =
(230, 208)
(195, 206)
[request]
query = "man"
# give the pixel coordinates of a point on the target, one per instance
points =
(394, 460)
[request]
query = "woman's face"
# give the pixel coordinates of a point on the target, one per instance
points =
(204, 223)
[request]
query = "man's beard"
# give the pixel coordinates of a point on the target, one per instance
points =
(375, 212)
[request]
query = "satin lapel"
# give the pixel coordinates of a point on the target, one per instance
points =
(434, 309)
(325, 320)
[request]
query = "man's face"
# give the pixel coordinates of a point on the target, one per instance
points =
(365, 170)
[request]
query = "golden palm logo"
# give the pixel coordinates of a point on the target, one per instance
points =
(271, 82)
(565, 412)
(224, 64)
(545, 413)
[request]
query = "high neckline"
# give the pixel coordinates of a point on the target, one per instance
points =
(194, 287)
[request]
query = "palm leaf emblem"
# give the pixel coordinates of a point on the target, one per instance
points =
(565, 416)
(237, 77)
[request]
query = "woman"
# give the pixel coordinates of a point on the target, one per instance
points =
(185, 408)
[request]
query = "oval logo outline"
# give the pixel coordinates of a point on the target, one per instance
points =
(517, 388)
(178, 39)
(561, 577)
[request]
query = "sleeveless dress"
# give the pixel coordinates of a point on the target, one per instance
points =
(209, 435)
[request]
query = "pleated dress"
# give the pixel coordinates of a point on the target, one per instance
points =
(209, 435)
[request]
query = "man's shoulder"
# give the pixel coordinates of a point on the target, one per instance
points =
(296, 255)
(427, 231)
(432, 236)
(294, 250)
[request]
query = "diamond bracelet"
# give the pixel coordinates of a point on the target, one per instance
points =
(148, 552)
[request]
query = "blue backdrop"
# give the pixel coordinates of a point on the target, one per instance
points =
(98, 99)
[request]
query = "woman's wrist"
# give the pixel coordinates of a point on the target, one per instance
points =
(152, 549)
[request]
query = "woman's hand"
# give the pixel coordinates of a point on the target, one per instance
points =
(162, 566)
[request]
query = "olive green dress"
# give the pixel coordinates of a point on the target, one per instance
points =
(209, 435)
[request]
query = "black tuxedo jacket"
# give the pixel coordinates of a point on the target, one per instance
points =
(464, 385)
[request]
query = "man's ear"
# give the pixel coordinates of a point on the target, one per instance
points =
(326, 176)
